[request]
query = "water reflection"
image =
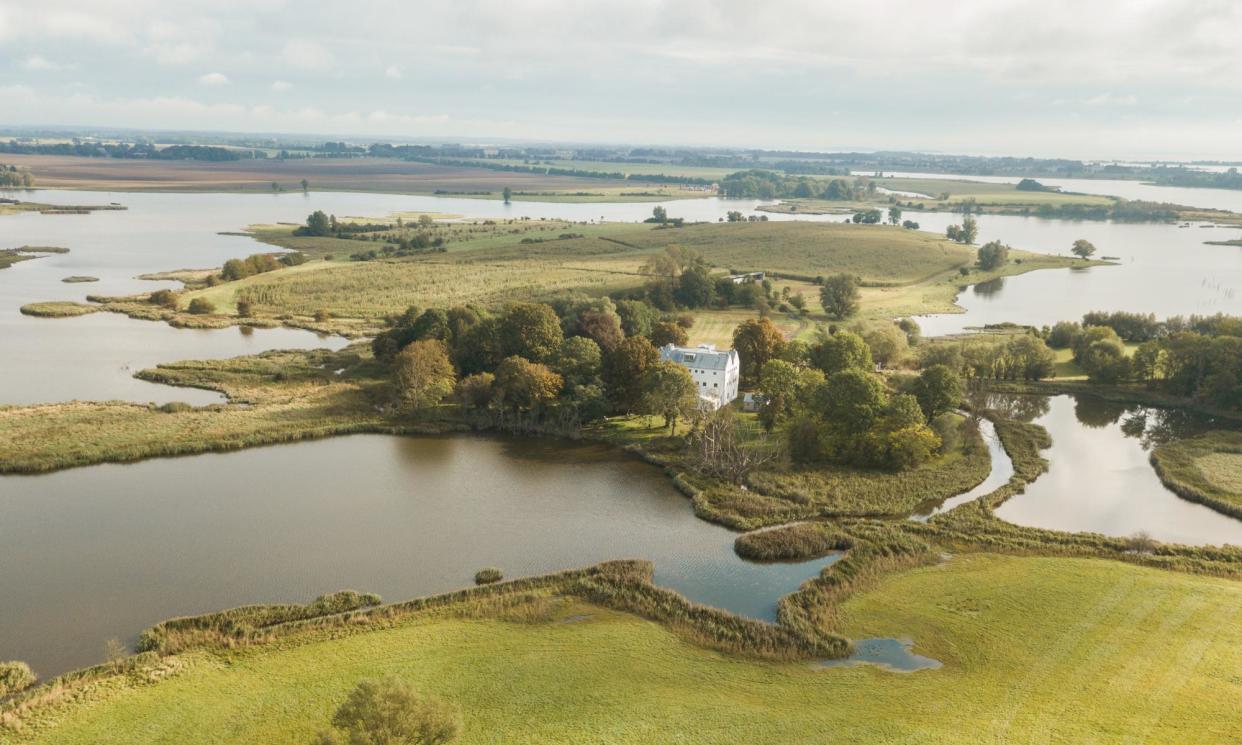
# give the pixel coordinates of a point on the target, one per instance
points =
(989, 288)
(1100, 479)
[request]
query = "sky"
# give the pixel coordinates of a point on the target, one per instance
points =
(1152, 79)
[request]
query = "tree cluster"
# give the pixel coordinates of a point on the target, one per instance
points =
(539, 365)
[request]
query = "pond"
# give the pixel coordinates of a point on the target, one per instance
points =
(105, 551)
(1100, 478)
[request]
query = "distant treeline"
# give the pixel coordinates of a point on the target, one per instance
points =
(763, 184)
(1230, 179)
(659, 178)
(129, 150)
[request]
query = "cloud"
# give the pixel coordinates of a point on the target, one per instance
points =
(305, 54)
(393, 72)
(280, 86)
(38, 62)
(214, 79)
(1110, 99)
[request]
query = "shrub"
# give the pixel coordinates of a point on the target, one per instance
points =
(322, 316)
(201, 306)
(163, 298)
(14, 677)
(389, 712)
(488, 576)
(244, 308)
(174, 407)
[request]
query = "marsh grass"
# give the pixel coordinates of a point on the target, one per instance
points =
(1206, 469)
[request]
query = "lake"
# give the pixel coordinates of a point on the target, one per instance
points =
(105, 551)
(1162, 269)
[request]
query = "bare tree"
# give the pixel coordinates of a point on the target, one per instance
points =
(718, 449)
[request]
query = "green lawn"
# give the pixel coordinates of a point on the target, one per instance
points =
(1039, 650)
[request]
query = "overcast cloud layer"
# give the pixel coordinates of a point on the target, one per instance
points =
(1109, 78)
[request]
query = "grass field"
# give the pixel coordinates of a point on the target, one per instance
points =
(904, 272)
(1041, 650)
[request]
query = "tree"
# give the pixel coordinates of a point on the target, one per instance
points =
(888, 344)
(784, 389)
(669, 390)
(1083, 248)
(717, 449)
(523, 385)
(531, 330)
(964, 233)
(389, 712)
(1029, 357)
(508, 195)
(579, 360)
(970, 230)
(475, 392)
(938, 389)
(1105, 361)
(624, 368)
(695, 288)
(798, 301)
(602, 325)
(894, 215)
(843, 350)
(868, 217)
(992, 255)
(424, 373)
(667, 332)
(305, 185)
(756, 342)
(839, 296)
(659, 215)
(637, 317)
(852, 400)
(317, 224)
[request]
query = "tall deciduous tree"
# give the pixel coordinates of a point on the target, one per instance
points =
(531, 330)
(669, 390)
(839, 296)
(756, 342)
(624, 368)
(425, 374)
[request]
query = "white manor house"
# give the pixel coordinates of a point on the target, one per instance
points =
(715, 372)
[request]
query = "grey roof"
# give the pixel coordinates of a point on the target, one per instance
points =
(704, 358)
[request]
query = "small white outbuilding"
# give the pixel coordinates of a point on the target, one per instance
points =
(715, 372)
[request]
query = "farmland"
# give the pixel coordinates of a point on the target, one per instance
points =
(341, 174)
(1024, 643)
